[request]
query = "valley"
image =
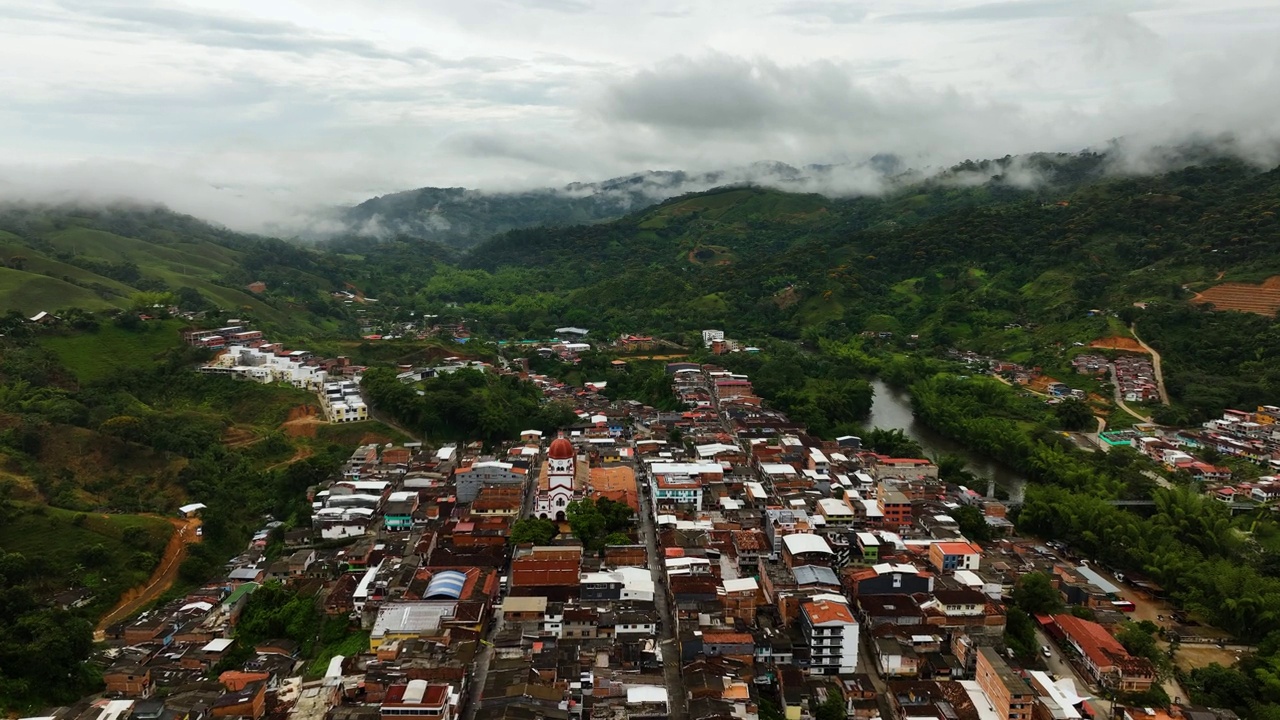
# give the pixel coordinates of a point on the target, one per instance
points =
(972, 340)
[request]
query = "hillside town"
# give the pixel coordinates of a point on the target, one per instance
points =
(750, 568)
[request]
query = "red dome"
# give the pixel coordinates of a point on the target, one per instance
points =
(561, 449)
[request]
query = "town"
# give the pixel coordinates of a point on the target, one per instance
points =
(711, 563)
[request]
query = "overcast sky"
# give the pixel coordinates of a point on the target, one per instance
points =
(240, 111)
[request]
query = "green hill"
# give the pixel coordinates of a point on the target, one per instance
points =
(68, 257)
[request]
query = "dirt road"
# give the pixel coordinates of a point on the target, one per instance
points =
(161, 580)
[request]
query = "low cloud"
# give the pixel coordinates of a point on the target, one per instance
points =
(259, 114)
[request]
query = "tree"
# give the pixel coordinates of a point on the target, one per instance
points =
(617, 538)
(833, 708)
(1073, 414)
(973, 523)
(1035, 595)
(587, 522)
(533, 530)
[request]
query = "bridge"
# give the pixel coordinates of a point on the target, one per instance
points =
(1234, 507)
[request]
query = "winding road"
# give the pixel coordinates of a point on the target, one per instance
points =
(161, 579)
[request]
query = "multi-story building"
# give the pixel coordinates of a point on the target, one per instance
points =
(952, 556)
(1012, 697)
(831, 633)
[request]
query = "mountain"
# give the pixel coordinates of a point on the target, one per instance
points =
(101, 258)
(460, 217)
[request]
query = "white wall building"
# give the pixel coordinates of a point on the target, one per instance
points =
(831, 633)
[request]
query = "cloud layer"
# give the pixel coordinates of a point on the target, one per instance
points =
(251, 114)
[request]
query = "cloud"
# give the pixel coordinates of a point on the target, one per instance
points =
(1022, 10)
(826, 11)
(252, 113)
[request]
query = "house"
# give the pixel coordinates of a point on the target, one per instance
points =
(831, 633)
(421, 700)
(952, 556)
(128, 680)
(250, 702)
(895, 658)
(1012, 696)
(1102, 655)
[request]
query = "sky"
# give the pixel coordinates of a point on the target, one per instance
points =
(250, 113)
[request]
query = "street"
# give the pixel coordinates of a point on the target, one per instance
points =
(668, 646)
(1060, 667)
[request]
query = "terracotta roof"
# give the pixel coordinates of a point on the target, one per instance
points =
(1099, 645)
(728, 638)
(748, 540)
(825, 611)
(958, 548)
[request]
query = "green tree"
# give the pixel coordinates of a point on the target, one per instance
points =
(1073, 414)
(973, 523)
(533, 530)
(618, 538)
(833, 708)
(587, 522)
(1035, 594)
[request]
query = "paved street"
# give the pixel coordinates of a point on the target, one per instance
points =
(667, 637)
(1059, 666)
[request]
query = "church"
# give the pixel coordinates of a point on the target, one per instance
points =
(558, 483)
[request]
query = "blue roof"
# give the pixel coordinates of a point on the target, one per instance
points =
(447, 583)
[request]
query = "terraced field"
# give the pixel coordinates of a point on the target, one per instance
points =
(1262, 299)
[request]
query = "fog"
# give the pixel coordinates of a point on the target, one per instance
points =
(263, 119)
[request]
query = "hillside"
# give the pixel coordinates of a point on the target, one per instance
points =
(54, 258)
(461, 218)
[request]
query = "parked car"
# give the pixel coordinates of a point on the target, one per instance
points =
(1046, 651)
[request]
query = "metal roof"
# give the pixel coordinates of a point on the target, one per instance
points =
(447, 583)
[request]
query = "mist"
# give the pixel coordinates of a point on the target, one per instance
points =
(271, 123)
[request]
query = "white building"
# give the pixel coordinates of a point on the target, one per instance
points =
(267, 367)
(342, 402)
(831, 633)
(560, 487)
(712, 336)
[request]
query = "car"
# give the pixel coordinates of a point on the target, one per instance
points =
(1046, 651)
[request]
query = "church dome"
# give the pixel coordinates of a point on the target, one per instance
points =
(561, 449)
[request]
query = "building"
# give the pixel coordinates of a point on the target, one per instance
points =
(558, 486)
(128, 680)
(469, 480)
(1103, 656)
(832, 635)
(1012, 697)
(952, 556)
(420, 700)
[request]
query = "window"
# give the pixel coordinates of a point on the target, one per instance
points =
(559, 502)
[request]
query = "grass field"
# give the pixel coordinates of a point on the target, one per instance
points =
(93, 356)
(30, 293)
(106, 553)
(356, 433)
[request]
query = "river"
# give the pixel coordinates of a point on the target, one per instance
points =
(891, 410)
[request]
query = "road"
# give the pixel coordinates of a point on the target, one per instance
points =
(160, 581)
(484, 654)
(1155, 364)
(479, 671)
(1060, 667)
(670, 648)
(1115, 391)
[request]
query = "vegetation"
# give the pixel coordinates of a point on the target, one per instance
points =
(84, 447)
(465, 405)
(533, 530)
(600, 522)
